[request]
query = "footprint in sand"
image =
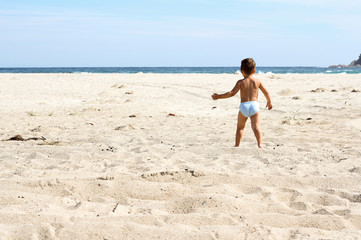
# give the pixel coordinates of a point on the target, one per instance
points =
(356, 170)
(356, 198)
(286, 92)
(45, 231)
(301, 206)
(321, 212)
(64, 156)
(344, 212)
(36, 155)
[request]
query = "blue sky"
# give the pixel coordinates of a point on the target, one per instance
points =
(178, 32)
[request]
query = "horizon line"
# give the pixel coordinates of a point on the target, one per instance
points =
(173, 67)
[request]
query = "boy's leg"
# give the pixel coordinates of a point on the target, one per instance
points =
(241, 123)
(256, 129)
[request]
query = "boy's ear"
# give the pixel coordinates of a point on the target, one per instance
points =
(254, 70)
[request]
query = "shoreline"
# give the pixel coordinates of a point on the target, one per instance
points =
(185, 70)
(199, 74)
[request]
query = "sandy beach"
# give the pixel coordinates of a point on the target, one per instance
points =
(151, 156)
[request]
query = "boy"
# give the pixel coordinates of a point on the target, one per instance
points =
(249, 95)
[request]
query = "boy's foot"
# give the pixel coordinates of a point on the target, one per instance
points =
(260, 146)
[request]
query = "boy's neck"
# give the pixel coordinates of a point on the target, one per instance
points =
(247, 76)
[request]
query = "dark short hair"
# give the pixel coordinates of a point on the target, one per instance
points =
(248, 65)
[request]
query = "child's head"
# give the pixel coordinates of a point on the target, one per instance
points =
(248, 66)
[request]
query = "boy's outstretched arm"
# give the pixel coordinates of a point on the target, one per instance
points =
(266, 94)
(233, 92)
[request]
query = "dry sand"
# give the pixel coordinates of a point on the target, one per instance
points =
(115, 165)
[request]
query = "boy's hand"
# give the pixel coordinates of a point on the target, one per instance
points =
(269, 105)
(215, 96)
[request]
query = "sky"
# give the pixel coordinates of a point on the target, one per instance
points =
(138, 33)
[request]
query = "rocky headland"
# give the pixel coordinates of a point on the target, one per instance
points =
(355, 63)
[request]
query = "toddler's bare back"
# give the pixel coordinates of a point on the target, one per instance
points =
(249, 89)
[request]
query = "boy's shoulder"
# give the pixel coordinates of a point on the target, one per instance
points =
(257, 80)
(240, 81)
(248, 78)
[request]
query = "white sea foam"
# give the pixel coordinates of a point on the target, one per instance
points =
(81, 72)
(267, 73)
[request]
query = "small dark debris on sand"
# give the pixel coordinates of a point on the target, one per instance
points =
(173, 174)
(318, 90)
(296, 98)
(131, 92)
(214, 107)
(110, 149)
(116, 205)
(37, 129)
(287, 121)
(308, 119)
(171, 114)
(355, 170)
(334, 90)
(127, 127)
(118, 86)
(132, 116)
(90, 124)
(354, 90)
(18, 137)
(105, 178)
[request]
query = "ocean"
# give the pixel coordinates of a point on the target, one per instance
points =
(211, 70)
